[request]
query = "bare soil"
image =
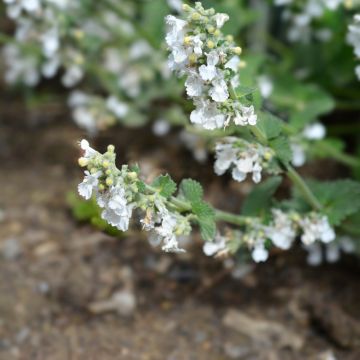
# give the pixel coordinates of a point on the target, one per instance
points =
(53, 269)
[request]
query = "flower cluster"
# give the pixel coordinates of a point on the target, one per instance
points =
(329, 252)
(301, 18)
(282, 231)
(76, 42)
(300, 143)
(242, 158)
(92, 112)
(210, 62)
(120, 192)
(353, 39)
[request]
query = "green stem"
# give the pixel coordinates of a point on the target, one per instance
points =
(220, 215)
(303, 188)
(231, 218)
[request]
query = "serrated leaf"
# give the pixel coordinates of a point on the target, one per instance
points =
(191, 190)
(339, 199)
(270, 125)
(164, 185)
(282, 148)
(259, 200)
(206, 219)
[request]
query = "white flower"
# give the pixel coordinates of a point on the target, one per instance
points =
(281, 232)
(161, 127)
(247, 116)
(50, 42)
(226, 155)
(233, 63)
(209, 71)
(266, 86)
(219, 91)
(166, 232)
(72, 76)
(221, 19)
(259, 253)
(120, 109)
(175, 5)
(298, 155)
(89, 152)
(314, 131)
(117, 211)
(85, 119)
(194, 85)
(89, 183)
(316, 228)
(211, 248)
(175, 34)
(50, 67)
(207, 115)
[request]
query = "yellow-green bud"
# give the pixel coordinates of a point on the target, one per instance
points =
(93, 170)
(237, 50)
(187, 40)
(78, 34)
(242, 64)
(83, 161)
(101, 187)
(268, 155)
(108, 172)
(217, 32)
(195, 16)
(186, 7)
(210, 44)
(210, 29)
(111, 148)
(229, 38)
(79, 59)
(132, 175)
(105, 164)
(109, 181)
(192, 58)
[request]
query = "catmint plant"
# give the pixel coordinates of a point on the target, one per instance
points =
(210, 62)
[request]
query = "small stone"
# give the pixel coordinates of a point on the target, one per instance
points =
(11, 249)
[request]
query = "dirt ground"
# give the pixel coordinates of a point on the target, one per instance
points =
(68, 291)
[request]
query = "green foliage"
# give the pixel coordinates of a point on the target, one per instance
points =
(258, 202)
(339, 199)
(206, 219)
(304, 102)
(164, 185)
(89, 211)
(191, 190)
(282, 148)
(270, 125)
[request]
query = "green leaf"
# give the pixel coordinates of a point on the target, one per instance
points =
(282, 148)
(303, 102)
(259, 200)
(164, 185)
(340, 198)
(270, 125)
(206, 219)
(244, 91)
(191, 190)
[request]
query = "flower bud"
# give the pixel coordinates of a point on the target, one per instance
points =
(101, 187)
(210, 44)
(210, 29)
(187, 40)
(111, 148)
(186, 7)
(83, 161)
(195, 16)
(105, 164)
(217, 32)
(236, 50)
(132, 175)
(109, 181)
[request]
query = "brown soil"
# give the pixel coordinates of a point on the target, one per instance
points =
(188, 307)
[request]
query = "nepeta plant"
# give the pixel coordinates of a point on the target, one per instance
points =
(209, 60)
